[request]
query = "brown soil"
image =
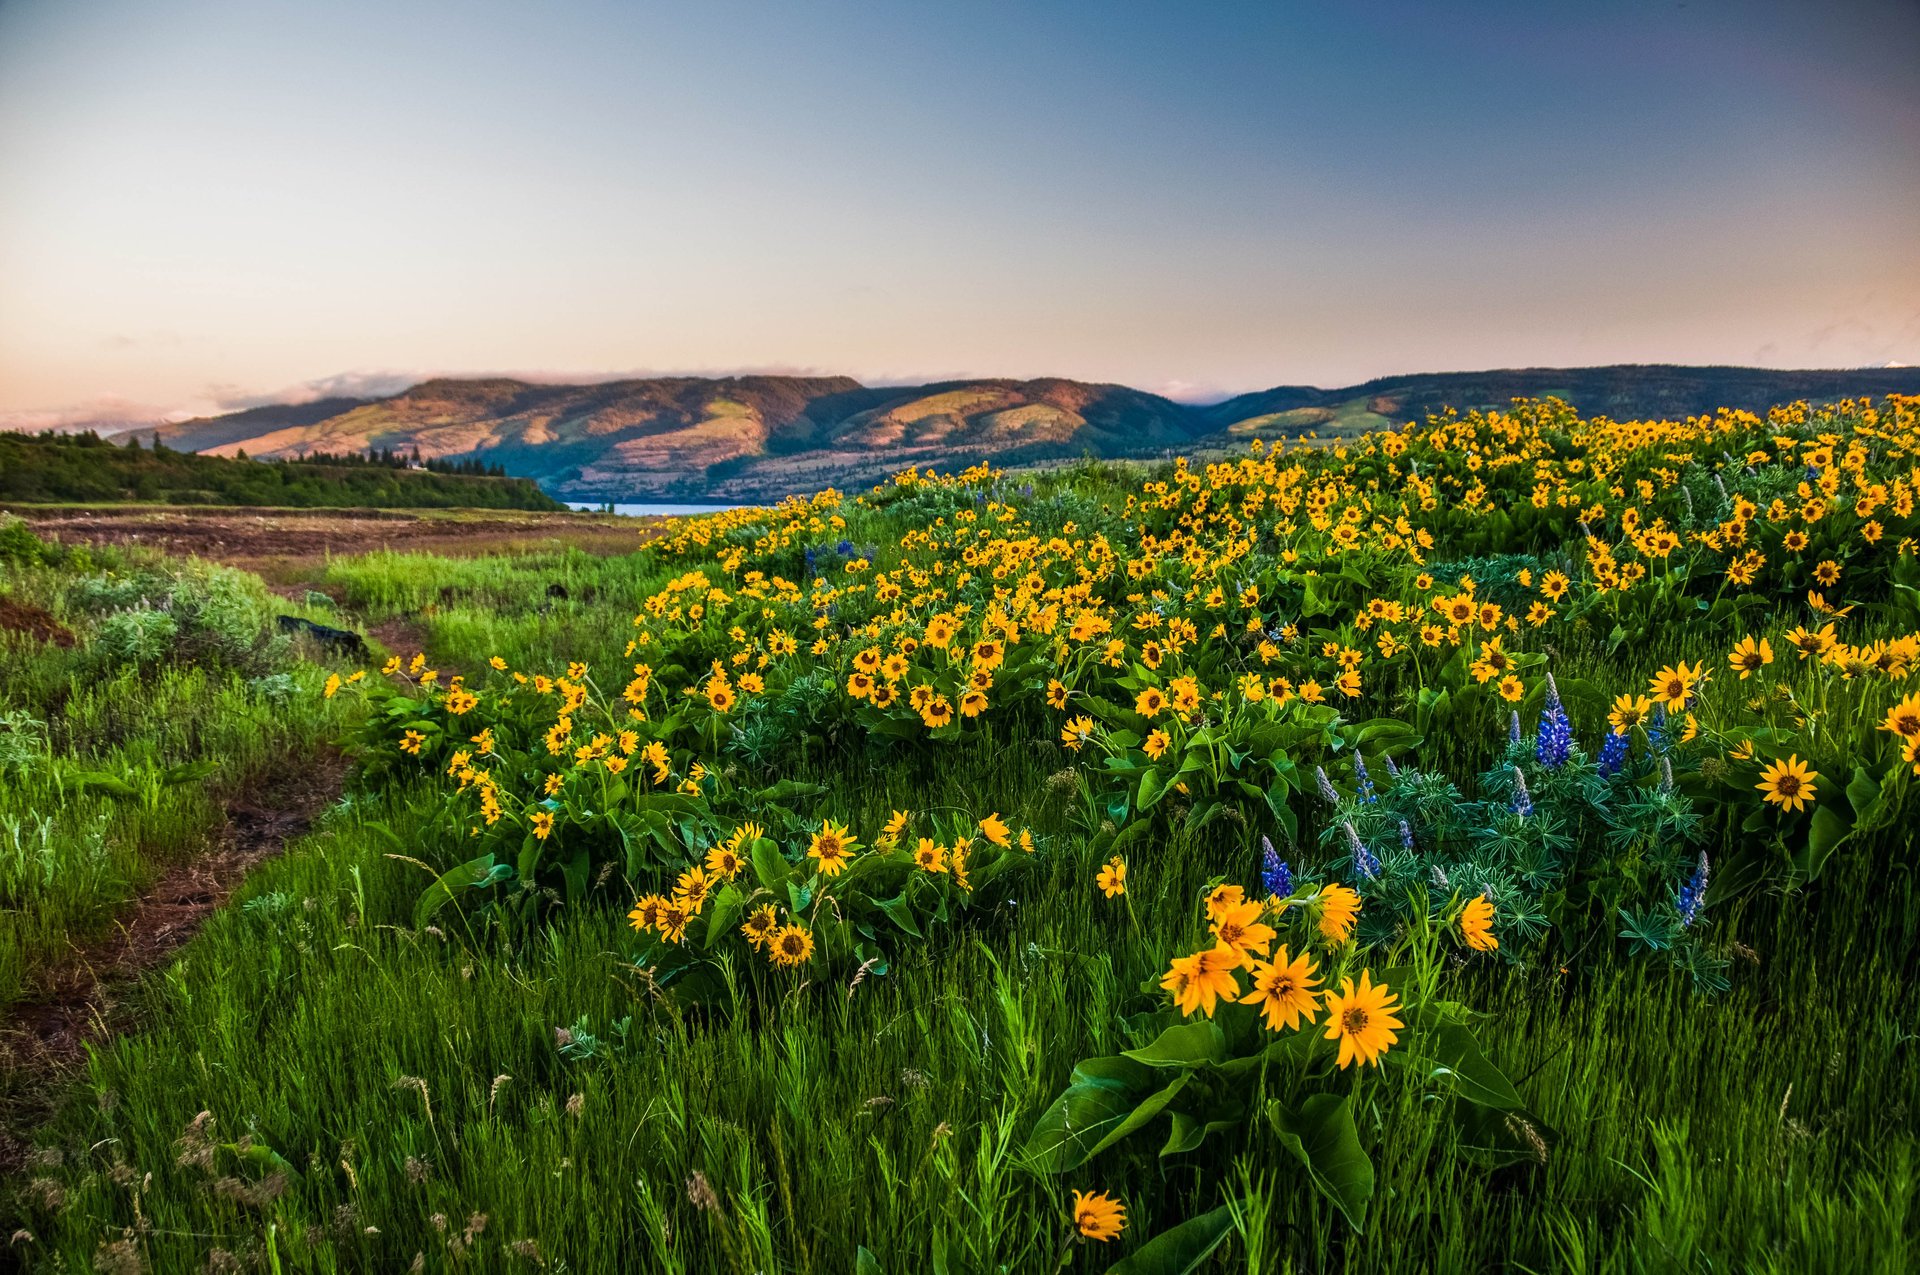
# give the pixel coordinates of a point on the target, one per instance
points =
(83, 998)
(19, 617)
(283, 544)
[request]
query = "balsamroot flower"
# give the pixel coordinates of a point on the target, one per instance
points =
(1199, 981)
(1098, 1216)
(1788, 784)
(1285, 990)
(1476, 924)
(1363, 1020)
(1339, 909)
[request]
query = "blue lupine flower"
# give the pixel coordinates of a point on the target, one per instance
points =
(1326, 786)
(1513, 727)
(1274, 872)
(1363, 861)
(1657, 728)
(1360, 774)
(1556, 732)
(1406, 836)
(1522, 800)
(1613, 754)
(809, 556)
(844, 548)
(1694, 892)
(1392, 769)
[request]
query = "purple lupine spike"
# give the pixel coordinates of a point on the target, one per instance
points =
(1363, 861)
(1393, 769)
(1613, 753)
(1406, 836)
(1274, 873)
(1666, 773)
(1694, 893)
(1326, 786)
(1360, 774)
(1522, 799)
(1513, 727)
(1555, 739)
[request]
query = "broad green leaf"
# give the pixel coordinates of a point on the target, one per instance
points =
(474, 872)
(1185, 1045)
(769, 864)
(1825, 831)
(900, 912)
(1104, 1093)
(1322, 1134)
(1190, 1130)
(1452, 1052)
(187, 772)
(1180, 1249)
(101, 781)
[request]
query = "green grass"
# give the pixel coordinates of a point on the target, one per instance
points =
(1766, 1129)
(118, 768)
(378, 1094)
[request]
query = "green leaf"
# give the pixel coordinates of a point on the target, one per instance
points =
(900, 912)
(727, 906)
(769, 864)
(1863, 794)
(1190, 1130)
(1180, 1249)
(1455, 1054)
(472, 873)
(187, 772)
(1826, 831)
(865, 1263)
(1104, 1092)
(101, 781)
(1186, 1045)
(1152, 785)
(1324, 1138)
(789, 790)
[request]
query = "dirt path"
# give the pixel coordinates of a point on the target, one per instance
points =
(84, 998)
(399, 635)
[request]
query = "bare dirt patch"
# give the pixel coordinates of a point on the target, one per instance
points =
(84, 998)
(35, 622)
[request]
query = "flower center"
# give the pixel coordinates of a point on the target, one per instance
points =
(1787, 785)
(1354, 1021)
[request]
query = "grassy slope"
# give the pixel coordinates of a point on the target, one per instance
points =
(414, 1086)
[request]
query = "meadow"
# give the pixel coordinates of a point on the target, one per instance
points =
(1483, 845)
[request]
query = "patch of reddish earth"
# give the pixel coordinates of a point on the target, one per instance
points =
(38, 624)
(285, 544)
(84, 997)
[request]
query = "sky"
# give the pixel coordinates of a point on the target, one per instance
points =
(214, 203)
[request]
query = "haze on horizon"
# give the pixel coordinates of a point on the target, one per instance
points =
(210, 202)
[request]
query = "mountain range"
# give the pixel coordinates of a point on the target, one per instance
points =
(761, 437)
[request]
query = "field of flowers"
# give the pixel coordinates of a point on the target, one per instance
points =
(1486, 844)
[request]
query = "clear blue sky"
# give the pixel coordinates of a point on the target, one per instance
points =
(205, 201)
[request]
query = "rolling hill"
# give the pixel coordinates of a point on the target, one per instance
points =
(759, 437)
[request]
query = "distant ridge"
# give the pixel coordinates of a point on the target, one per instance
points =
(761, 437)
